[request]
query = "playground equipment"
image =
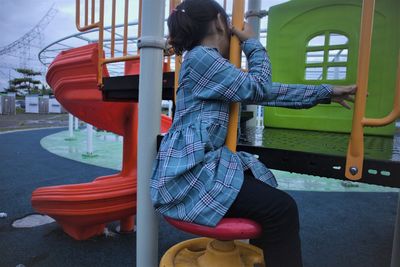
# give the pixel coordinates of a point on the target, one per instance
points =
(70, 127)
(327, 50)
(151, 44)
(354, 168)
(83, 209)
(303, 51)
(89, 141)
(219, 249)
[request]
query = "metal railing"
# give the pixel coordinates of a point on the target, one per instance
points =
(99, 24)
(355, 152)
(178, 59)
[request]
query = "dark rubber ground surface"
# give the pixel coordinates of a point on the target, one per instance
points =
(338, 229)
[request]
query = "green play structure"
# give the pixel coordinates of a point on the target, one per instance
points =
(316, 41)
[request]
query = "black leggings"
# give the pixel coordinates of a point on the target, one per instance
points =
(277, 213)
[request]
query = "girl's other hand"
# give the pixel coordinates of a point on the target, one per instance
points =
(244, 34)
(341, 94)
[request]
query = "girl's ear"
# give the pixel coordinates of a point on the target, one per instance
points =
(220, 23)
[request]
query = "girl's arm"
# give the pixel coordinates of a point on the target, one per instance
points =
(299, 95)
(306, 96)
(215, 78)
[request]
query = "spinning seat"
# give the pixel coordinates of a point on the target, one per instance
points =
(218, 248)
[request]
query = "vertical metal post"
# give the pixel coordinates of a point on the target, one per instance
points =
(235, 57)
(71, 125)
(89, 139)
(355, 152)
(178, 59)
(396, 240)
(126, 17)
(100, 44)
(113, 15)
(139, 32)
(254, 6)
(151, 46)
(170, 104)
(76, 123)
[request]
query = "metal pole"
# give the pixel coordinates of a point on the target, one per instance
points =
(170, 104)
(76, 125)
(235, 57)
(355, 151)
(151, 46)
(89, 139)
(396, 240)
(71, 125)
(254, 6)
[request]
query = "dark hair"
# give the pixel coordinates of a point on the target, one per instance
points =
(188, 24)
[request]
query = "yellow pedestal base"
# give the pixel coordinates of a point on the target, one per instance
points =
(207, 252)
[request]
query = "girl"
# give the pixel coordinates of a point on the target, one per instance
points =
(195, 177)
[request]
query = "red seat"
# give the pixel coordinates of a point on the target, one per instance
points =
(226, 229)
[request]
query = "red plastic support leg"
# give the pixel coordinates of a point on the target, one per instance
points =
(82, 232)
(127, 224)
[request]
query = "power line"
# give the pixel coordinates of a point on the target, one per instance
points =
(34, 33)
(22, 48)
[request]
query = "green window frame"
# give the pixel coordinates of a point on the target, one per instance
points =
(326, 57)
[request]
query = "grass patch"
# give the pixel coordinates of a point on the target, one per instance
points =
(20, 110)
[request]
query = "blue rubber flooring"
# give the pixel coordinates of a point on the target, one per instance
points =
(337, 229)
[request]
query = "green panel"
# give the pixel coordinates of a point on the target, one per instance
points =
(291, 25)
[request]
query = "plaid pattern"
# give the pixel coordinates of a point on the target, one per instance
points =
(195, 177)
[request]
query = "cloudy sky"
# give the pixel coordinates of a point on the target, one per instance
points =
(19, 17)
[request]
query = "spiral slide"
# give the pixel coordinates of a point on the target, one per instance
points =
(83, 209)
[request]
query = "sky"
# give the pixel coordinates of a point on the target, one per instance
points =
(18, 17)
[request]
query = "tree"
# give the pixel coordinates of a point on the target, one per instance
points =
(25, 84)
(46, 90)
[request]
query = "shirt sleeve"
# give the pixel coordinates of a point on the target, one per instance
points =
(298, 95)
(215, 78)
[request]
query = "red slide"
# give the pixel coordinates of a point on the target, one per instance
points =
(83, 209)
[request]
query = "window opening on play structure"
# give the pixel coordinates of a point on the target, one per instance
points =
(326, 57)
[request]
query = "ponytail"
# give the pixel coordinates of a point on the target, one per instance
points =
(189, 23)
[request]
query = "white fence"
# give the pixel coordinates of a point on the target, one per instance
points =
(7, 104)
(31, 104)
(55, 106)
(42, 105)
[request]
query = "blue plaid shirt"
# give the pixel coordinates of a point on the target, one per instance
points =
(195, 177)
